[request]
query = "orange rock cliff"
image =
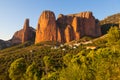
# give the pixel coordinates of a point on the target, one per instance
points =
(67, 27)
(63, 29)
(46, 29)
(23, 35)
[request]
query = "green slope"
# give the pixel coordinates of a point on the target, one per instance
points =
(65, 63)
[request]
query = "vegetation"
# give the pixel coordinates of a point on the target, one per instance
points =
(113, 35)
(108, 22)
(17, 69)
(36, 62)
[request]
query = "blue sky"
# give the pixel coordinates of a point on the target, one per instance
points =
(14, 12)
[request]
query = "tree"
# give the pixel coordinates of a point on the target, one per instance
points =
(32, 72)
(78, 67)
(67, 59)
(17, 69)
(51, 76)
(47, 62)
(113, 34)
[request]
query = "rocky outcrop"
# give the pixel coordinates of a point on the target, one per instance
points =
(67, 27)
(23, 35)
(46, 29)
(83, 24)
(17, 37)
(28, 32)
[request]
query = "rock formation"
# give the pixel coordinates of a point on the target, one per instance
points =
(46, 29)
(83, 24)
(67, 27)
(25, 34)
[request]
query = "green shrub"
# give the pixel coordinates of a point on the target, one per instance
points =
(17, 69)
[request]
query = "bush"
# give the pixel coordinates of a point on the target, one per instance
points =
(113, 35)
(17, 69)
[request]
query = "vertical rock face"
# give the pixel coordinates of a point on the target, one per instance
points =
(59, 35)
(17, 37)
(46, 29)
(28, 32)
(76, 28)
(68, 34)
(83, 24)
(89, 27)
(23, 35)
(67, 27)
(97, 28)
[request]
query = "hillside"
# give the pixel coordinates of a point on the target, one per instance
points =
(4, 44)
(95, 59)
(113, 20)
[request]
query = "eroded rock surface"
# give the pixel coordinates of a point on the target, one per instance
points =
(46, 29)
(67, 27)
(23, 35)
